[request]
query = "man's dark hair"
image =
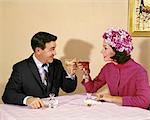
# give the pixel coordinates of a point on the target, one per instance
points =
(41, 38)
(120, 57)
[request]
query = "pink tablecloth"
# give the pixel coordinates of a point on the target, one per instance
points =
(73, 108)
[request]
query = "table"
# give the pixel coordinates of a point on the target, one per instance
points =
(72, 107)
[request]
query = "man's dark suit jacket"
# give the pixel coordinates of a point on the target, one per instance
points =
(25, 81)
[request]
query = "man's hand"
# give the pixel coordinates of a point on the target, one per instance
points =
(72, 68)
(34, 102)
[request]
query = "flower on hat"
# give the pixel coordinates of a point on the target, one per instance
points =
(119, 39)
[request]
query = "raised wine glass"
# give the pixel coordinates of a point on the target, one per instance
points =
(71, 64)
(84, 66)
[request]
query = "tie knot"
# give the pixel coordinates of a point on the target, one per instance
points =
(44, 65)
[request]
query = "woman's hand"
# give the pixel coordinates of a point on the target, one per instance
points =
(85, 71)
(104, 96)
(109, 98)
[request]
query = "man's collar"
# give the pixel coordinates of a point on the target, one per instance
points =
(37, 62)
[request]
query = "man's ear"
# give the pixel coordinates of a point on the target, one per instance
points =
(38, 50)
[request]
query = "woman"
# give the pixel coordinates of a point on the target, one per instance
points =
(127, 80)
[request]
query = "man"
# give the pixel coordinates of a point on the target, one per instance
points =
(39, 75)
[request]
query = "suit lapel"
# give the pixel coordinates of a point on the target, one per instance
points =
(50, 77)
(35, 71)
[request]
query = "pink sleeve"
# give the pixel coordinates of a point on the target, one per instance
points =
(93, 85)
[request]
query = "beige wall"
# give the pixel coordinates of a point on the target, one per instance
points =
(79, 25)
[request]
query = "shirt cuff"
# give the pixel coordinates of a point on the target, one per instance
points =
(71, 76)
(25, 100)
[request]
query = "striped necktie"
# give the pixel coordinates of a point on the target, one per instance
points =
(45, 70)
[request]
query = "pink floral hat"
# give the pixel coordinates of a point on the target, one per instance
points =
(119, 39)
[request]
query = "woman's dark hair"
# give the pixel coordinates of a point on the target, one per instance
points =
(40, 39)
(120, 57)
